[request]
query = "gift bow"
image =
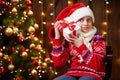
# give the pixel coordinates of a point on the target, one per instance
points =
(70, 26)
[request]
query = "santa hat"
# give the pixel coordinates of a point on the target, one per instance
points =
(71, 14)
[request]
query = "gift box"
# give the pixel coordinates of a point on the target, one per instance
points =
(70, 28)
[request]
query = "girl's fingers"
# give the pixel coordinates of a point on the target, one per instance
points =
(69, 38)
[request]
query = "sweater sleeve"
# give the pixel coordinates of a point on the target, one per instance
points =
(59, 54)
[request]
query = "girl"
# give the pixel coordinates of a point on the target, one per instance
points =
(86, 50)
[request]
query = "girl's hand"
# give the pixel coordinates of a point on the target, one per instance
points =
(76, 40)
(57, 28)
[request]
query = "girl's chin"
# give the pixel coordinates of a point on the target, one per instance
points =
(85, 31)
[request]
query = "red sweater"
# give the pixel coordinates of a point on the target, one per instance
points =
(93, 63)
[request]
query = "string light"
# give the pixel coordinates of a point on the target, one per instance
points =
(104, 32)
(56, 73)
(52, 23)
(42, 14)
(44, 22)
(107, 11)
(51, 14)
(105, 23)
(107, 2)
(40, 2)
(51, 42)
(51, 4)
(42, 32)
(69, 2)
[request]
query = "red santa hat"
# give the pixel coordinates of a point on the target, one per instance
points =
(71, 13)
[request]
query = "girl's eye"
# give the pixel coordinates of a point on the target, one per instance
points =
(81, 20)
(89, 20)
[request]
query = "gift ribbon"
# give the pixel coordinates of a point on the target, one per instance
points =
(71, 26)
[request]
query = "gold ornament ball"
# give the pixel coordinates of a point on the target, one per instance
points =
(38, 47)
(11, 67)
(30, 13)
(8, 31)
(36, 26)
(6, 57)
(31, 29)
(24, 12)
(24, 54)
(14, 10)
(15, 1)
(47, 59)
(15, 30)
(1, 55)
(34, 72)
(32, 45)
(36, 39)
(44, 65)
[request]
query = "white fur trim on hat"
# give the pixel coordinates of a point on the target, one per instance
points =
(80, 13)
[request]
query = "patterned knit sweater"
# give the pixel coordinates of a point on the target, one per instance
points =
(92, 63)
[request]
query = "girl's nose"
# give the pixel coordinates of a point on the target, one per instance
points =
(85, 22)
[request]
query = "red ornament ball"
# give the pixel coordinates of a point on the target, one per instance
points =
(18, 78)
(35, 62)
(2, 2)
(2, 70)
(28, 3)
(21, 38)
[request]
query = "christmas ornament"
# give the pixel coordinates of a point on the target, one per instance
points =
(13, 50)
(35, 62)
(39, 62)
(6, 57)
(44, 65)
(2, 70)
(2, 2)
(8, 31)
(47, 59)
(15, 29)
(18, 78)
(1, 49)
(31, 29)
(30, 8)
(30, 13)
(14, 2)
(24, 54)
(1, 55)
(28, 3)
(32, 45)
(21, 38)
(11, 67)
(38, 47)
(24, 12)
(36, 26)
(14, 10)
(34, 72)
(32, 36)
(35, 39)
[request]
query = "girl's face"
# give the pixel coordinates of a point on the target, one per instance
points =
(85, 23)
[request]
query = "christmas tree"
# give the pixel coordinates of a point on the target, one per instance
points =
(22, 56)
